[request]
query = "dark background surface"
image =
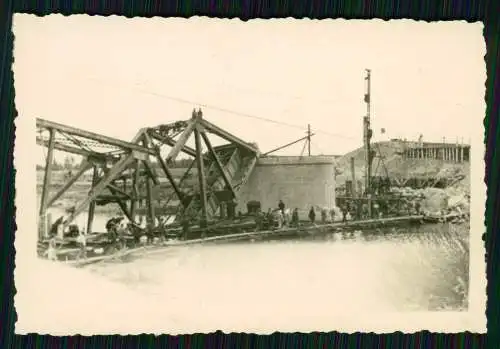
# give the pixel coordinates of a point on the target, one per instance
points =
(486, 11)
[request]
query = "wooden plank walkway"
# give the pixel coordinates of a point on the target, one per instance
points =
(301, 230)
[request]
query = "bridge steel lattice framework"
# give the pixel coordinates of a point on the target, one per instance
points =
(113, 161)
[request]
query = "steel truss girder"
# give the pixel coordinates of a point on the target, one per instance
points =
(44, 124)
(137, 153)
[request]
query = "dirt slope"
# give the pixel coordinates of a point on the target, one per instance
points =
(389, 159)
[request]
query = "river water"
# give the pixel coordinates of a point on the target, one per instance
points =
(394, 269)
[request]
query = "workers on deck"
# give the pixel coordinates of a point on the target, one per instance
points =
(365, 211)
(295, 217)
(231, 209)
(312, 215)
(223, 210)
(324, 215)
(81, 241)
(344, 213)
(417, 207)
(51, 251)
(54, 229)
(358, 210)
(281, 206)
(185, 227)
(280, 219)
(375, 209)
(73, 230)
(259, 220)
(111, 228)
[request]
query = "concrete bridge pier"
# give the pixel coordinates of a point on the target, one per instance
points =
(301, 182)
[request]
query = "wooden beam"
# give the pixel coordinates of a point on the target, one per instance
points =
(101, 185)
(84, 166)
(219, 165)
(201, 179)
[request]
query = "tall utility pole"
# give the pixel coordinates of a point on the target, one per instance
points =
(367, 134)
(309, 139)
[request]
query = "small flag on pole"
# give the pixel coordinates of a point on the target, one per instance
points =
(367, 98)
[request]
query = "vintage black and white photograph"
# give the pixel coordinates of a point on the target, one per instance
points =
(192, 175)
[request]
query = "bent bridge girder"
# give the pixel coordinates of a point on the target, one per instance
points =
(131, 173)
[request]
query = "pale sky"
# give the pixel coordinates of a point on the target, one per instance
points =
(113, 75)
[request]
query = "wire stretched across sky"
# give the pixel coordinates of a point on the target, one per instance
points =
(233, 112)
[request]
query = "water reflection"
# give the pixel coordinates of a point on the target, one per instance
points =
(417, 268)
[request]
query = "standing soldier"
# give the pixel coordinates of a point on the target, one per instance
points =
(323, 215)
(344, 213)
(281, 206)
(185, 227)
(82, 244)
(259, 218)
(51, 251)
(312, 215)
(417, 207)
(279, 217)
(295, 217)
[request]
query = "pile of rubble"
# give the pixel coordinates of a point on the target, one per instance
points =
(436, 201)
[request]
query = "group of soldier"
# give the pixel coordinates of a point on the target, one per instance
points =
(358, 210)
(381, 208)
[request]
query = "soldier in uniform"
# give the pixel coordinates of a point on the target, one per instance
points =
(281, 206)
(312, 215)
(295, 217)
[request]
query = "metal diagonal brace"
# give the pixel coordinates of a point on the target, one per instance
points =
(164, 167)
(85, 166)
(227, 136)
(122, 205)
(114, 188)
(201, 179)
(170, 178)
(101, 185)
(174, 152)
(151, 172)
(218, 163)
(171, 142)
(288, 144)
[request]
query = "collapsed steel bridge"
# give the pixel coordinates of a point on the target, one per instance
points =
(130, 173)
